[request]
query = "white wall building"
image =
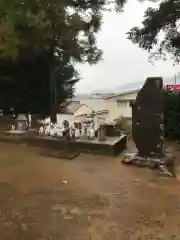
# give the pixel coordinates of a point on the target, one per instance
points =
(119, 104)
(107, 106)
(116, 104)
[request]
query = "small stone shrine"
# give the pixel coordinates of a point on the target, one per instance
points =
(21, 122)
(148, 129)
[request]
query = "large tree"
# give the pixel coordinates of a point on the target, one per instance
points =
(66, 25)
(25, 84)
(32, 31)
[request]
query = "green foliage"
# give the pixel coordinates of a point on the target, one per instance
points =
(123, 125)
(172, 114)
(68, 25)
(159, 27)
(25, 83)
(31, 32)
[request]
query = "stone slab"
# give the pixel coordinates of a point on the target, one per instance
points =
(111, 147)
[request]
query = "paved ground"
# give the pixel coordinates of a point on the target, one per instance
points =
(101, 200)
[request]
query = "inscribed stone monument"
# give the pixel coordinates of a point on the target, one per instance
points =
(148, 128)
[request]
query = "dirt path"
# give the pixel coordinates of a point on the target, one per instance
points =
(102, 200)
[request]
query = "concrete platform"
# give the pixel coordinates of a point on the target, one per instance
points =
(113, 146)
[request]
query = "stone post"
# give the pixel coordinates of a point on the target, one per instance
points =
(102, 133)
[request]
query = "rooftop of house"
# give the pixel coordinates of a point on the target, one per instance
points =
(123, 93)
(80, 97)
(72, 107)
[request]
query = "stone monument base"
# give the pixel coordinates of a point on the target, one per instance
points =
(164, 163)
(62, 147)
(15, 132)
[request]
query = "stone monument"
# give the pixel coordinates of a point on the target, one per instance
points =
(148, 128)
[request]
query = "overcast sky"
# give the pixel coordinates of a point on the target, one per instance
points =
(122, 61)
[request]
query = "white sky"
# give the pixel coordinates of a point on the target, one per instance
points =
(123, 62)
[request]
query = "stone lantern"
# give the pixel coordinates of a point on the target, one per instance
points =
(21, 123)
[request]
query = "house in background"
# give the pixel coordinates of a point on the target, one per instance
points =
(76, 108)
(109, 106)
(73, 110)
(114, 104)
(80, 111)
(94, 102)
(119, 104)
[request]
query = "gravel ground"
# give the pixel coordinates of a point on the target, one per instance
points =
(89, 198)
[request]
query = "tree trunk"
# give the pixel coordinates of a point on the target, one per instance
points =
(52, 87)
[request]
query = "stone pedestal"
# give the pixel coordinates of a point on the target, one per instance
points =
(164, 163)
(102, 133)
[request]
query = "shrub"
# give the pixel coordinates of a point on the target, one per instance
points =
(123, 124)
(172, 113)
